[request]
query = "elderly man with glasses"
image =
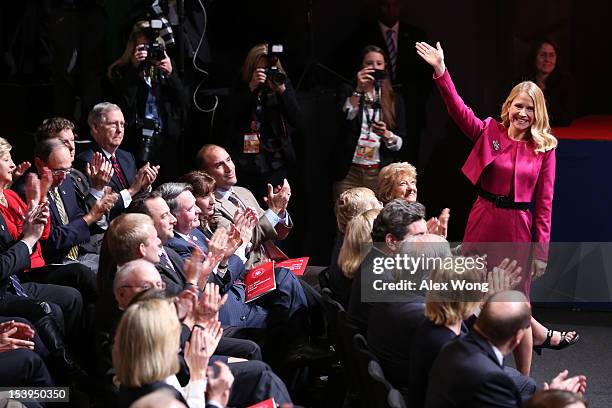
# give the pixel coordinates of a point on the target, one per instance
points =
(107, 127)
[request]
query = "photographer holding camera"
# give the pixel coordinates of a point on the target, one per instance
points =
(263, 106)
(152, 98)
(374, 128)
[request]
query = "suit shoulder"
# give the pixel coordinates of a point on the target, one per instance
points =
(85, 155)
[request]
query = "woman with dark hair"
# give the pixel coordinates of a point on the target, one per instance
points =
(263, 107)
(542, 68)
(374, 128)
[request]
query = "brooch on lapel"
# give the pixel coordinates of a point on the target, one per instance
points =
(495, 145)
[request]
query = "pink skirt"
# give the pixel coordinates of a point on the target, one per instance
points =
(508, 231)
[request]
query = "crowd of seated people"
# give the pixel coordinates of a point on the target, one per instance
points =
(132, 291)
(167, 312)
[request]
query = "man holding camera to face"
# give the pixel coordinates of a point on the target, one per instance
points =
(152, 97)
(263, 108)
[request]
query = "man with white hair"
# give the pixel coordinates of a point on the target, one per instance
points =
(107, 127)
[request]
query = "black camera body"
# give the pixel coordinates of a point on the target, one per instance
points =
(274, 73)
(155, 50)
(149, 129)
(379, 74)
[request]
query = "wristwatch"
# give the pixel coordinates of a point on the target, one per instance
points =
(358, 94)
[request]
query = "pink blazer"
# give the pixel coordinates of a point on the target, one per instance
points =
(534, 172)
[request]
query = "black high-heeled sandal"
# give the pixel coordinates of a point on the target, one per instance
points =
(563, 343)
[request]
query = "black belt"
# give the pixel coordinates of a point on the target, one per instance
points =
(502, 201)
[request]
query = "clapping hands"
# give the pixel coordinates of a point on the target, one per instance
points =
(278, 198)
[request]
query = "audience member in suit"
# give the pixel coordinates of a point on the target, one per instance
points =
(21, 365)
(469, 371)
(99, 171)
(274, 309)
(374, 128)
(53, 309)
(107, 125)
(282, 313)
(274, 223)
(392, 324)
(254, 378)
(396, 222)
(350, 204)
(133, 236)
(69, 224)
(100, 175)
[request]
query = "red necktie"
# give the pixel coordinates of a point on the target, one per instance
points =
(118, 172)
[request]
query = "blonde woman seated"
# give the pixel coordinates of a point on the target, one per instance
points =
(356, 245)
(446, 312)
(351, 203)
(145, 354)
(399, 180)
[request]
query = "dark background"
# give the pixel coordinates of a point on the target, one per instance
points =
(485, 44)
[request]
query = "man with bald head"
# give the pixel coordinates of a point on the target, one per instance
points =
(274, 223)
(469, 371)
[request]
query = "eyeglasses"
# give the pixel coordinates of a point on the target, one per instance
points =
(60, 172)
(147, 285)
(115, 125)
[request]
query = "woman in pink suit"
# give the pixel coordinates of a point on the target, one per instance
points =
(513, 163)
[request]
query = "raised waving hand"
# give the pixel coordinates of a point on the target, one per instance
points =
(433, 56)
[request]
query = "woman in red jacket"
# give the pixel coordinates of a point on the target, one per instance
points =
(513, 163)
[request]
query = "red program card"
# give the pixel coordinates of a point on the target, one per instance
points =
(296, 265)
(259, 281)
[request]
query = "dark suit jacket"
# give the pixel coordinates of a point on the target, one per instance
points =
(235, 312)
(174, 278)
(429, 338)
(14, 256)
(391, 330)
(468, 374)
(63, 237)
(126, 163)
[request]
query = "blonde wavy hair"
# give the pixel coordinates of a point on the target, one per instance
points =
(450, 306)
(146, 343)
(357, 242)
(390, 175)
(353, 202)
(540, 129)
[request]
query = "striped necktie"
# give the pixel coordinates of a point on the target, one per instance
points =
(233, 198)
(73, 253)
(19, 289)
(392, 50)
(118, 172)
